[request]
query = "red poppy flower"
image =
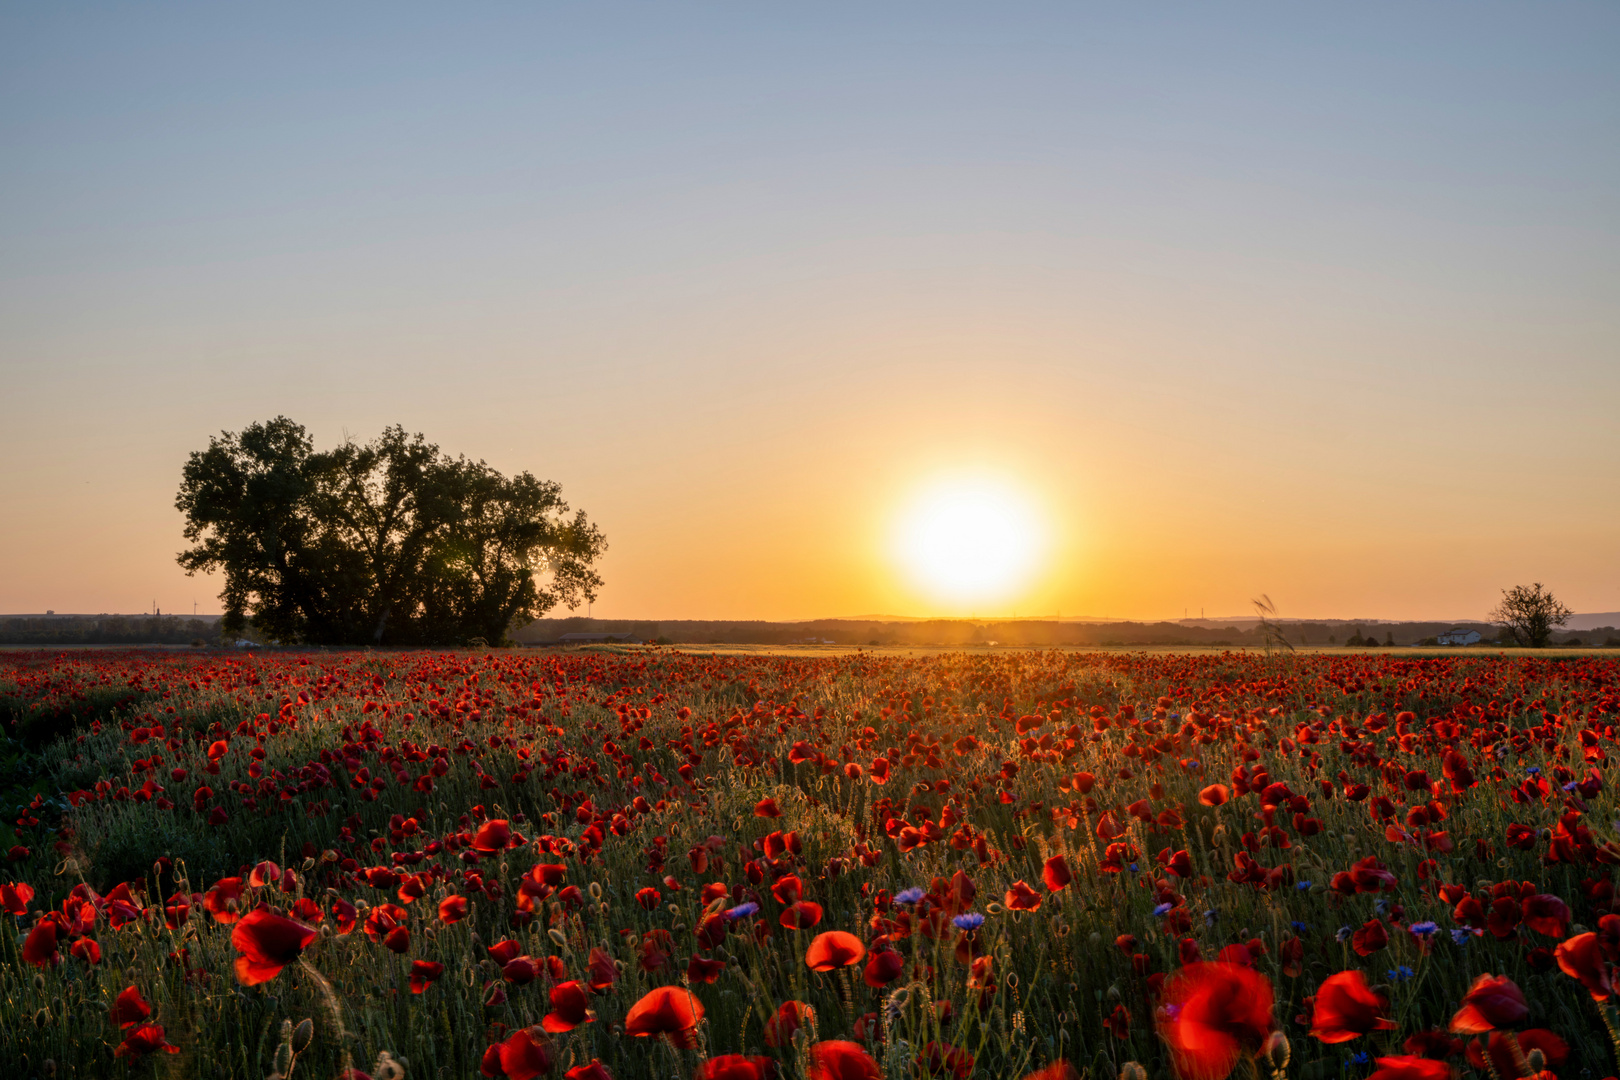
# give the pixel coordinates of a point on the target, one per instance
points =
(570, 1007)
(801, 916)
(146, 1039)
(266, 873)
(1499, 1050)
(591, 1070)
(1410, 1068)
(1022, 898)
(648, 897)
(1491, 1002)
(840, 1060)
(87, 950)
(14, 898)
(601, 971)
(223, 899)
(788, 889)
(1215, 795)
(1581, 957)
(736, 1067)
(883, 967)
(1546, 914)
(267, 943)
(1056, 873)
(129, 1009)
(1370, 938)
(789, 1017)
(1214, 1014)
(495, 835)
(1058, 1070)
(943, 1059)
(699, 970)
(40, 947)
(424, 973)
(1346, 1008)
(668, 1010)
(452, 909)
(767, 808)
(834, 949)
(879, 772)
(526, 1054)
(383, 919)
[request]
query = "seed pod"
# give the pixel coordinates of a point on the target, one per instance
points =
(302, 1034)
(557, 935)
(284, 1058)
(1536, 1060)
(1132, 1070)
(286, 1030)
(1277, 1050)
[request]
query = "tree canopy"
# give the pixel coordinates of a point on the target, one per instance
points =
(1529, 614)
(388, 543)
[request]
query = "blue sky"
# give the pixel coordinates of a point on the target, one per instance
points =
(1313, 301)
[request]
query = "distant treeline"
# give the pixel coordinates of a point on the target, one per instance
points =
(957, 632)
(109, 630)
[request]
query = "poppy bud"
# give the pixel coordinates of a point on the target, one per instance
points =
(1277, 1050)
(302, 1034)
(1132, 1070)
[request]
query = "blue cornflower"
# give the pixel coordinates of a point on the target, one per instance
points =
(1423, 929)
(971, 921)
(1360, 1057)
(742, 911)
(1460, 937)
(909, 896)
(1300, 928)
(1534, 770)
(1381, 906)
(1400, 974)
(1210, 916)
(1302, 886)
(1133, 868)
(1163, 909)
(1344, 934)
(1571, 785)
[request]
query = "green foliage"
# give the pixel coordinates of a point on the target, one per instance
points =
(1528, 614)
(387, 543)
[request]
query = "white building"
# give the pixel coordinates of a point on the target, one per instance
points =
(1458, 635)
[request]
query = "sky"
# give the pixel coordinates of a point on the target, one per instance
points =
(1315, 301)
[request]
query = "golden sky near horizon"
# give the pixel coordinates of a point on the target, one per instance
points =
(1189, 307)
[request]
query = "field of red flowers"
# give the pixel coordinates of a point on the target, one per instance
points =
(650, 863)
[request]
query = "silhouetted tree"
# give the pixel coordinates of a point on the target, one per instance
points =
(1529, 614)
(390, 542)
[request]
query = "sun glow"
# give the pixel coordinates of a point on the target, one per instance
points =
(969, 538)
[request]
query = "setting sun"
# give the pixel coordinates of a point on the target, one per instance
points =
(969, 538)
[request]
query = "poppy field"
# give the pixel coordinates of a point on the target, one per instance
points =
(649, 863)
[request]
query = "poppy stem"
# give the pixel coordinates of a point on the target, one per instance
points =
(1608, 1022)
(1519, 1061)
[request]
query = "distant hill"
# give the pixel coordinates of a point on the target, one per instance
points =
(53, 629)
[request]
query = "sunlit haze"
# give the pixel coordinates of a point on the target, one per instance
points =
(841, 309)
(969, 539)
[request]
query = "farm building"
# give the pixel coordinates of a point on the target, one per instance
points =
(1459, 635)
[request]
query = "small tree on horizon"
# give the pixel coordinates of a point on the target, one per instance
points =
(390, 542)
(1529, 614)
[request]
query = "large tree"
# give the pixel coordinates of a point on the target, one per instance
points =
(387, 543)
(1529, 614)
